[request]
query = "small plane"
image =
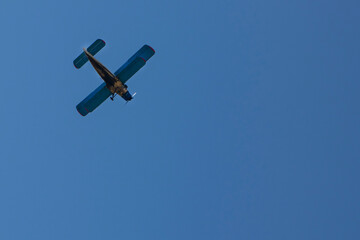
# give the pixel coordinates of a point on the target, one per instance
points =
(114, 83)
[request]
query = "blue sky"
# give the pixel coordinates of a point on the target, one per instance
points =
(245, 124)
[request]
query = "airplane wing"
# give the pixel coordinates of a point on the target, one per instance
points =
(93, 49)
(134, 64)
(91, 102)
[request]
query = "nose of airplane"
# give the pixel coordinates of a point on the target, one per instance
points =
(127, 96)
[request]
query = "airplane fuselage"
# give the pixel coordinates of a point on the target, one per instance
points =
(114, 85)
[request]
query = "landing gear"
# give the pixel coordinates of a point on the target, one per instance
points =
(112, 96)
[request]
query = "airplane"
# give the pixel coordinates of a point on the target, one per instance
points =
(114, 83)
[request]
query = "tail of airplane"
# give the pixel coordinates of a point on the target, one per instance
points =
(93, 49)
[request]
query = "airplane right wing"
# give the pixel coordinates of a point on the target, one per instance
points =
(93, 100)
(134, 64)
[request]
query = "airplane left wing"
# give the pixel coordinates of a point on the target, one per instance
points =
(91, 102)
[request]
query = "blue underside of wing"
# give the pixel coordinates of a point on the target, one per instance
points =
(134, 64)
(91, 102)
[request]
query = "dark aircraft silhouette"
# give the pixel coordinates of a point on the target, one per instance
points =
(113, 83)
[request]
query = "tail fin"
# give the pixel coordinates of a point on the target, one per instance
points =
(93, 49)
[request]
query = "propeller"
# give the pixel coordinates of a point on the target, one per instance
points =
(132, 96)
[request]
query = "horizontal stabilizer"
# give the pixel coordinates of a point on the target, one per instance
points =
(134, 64)
(91, 102)
(93, 49)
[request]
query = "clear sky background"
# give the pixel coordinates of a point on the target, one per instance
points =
(245, 124)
